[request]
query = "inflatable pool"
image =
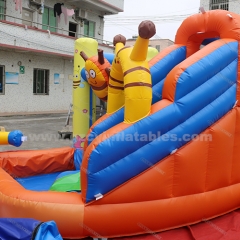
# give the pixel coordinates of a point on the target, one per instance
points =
(169, 158)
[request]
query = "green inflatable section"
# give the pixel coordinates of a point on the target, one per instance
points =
(67, 183)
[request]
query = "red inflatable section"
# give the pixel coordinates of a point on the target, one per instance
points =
(226, 227)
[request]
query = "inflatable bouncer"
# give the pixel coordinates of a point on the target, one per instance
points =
(165, 155)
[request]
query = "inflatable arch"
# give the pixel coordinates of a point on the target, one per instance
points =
(210, 25)
(186, 174)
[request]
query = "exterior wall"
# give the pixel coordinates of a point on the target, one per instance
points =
(234, 6)
(33, 39)
(61, 25)
(163, 43)
(20, 97)
(36, 48)
(10, 11)
(116, 3)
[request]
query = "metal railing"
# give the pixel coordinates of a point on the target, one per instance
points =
(61, 31)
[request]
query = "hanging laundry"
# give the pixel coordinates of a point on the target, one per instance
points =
(70, 12)
(67, 12)
(57, 9)
(18, 5)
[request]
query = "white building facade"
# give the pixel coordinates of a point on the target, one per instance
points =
(230, 5)
(37, 47)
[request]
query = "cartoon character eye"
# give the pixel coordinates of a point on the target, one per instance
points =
(76, 76)
(87, 75)
(92, 73)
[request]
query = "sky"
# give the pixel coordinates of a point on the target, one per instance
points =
(166, 14)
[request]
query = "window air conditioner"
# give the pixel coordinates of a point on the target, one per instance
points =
(80, 13)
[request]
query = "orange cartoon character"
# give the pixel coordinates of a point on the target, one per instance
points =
(97, 70)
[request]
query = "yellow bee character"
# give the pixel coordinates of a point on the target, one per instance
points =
(97, 70)
(130, 82)
(76, 78)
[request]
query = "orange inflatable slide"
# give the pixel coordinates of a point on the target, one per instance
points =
(177, 165)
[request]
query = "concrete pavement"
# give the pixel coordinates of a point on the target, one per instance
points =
(41, 130)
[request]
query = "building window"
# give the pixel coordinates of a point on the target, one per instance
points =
(89, 28)
(219, 4)
(2, 80)
(158, 48)
(41, 81)
(72, 29)
(2, 9)
(48, 20)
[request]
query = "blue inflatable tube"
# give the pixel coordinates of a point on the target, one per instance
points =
(15, 138)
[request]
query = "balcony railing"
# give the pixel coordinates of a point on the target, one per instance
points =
(59, 31)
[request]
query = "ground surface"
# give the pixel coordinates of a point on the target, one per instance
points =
(41, 131)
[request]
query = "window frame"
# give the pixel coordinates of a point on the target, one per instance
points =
(219, 4)
(3, 80)
(4, 9)
(46, 81)
(70, 32)
(49, 27)
(87, 22)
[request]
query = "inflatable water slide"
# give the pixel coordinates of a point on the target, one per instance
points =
(165, 155)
